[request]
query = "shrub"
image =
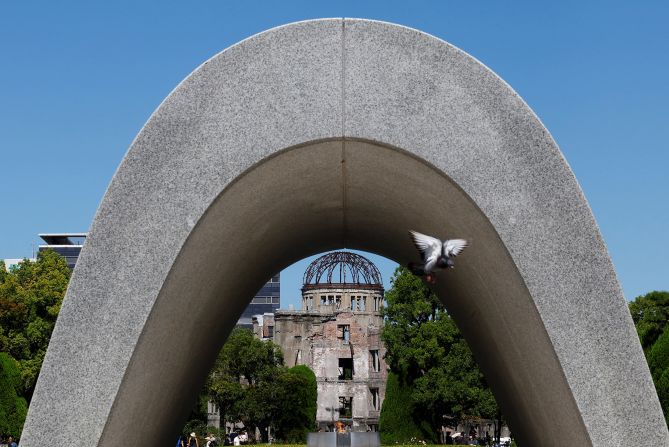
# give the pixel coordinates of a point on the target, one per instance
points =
(296, 394)
(662, 386)
(396, 423)
(658, 362)
(658, 357)
(13, 408)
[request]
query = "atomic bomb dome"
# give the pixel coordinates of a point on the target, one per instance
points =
(342, 268)
(342, 281)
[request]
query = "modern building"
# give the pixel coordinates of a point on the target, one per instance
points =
(337, 334)
(267, 300)
(68, 245)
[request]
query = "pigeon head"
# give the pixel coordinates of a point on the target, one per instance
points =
(443, 262)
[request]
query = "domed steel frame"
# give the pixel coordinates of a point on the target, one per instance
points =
(352, 269)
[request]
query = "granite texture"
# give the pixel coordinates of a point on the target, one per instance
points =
(332, 133)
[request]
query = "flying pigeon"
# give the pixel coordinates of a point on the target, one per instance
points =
(435, 254)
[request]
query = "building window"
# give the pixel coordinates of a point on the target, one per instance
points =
(270, 331)
(373, 427)
(344, 332)
(323, 300)
(375, 361)
(376, 304)
(211, 407)
(362, 305)
(345, 407)
(345, 369)
(338, 302)
(376, 404)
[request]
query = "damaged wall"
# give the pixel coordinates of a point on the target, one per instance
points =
(338, 330)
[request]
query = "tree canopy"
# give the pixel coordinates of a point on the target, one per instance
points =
(243, 370)
(658, 355)
(662, 386)
(427, 352)
(296, 397)
(396, 422)
(658, 362)
(250, 384)
(13, 407)
(650, 313)
(30, 298)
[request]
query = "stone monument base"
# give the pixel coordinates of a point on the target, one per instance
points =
(353, 439)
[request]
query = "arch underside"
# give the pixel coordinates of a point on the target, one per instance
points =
(330, 134)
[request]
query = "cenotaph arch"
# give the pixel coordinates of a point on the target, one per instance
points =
(342, 133)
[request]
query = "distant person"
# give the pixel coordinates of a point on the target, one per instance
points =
(449, 438)
(12, 443)
(192, 441)
(180, 441)
(211, 441)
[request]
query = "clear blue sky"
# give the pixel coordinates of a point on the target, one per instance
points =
(79, 79)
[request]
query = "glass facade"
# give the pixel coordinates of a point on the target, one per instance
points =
(268, 299)
(70, 253)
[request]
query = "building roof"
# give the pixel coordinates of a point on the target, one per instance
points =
(342, 268)
(62, 238)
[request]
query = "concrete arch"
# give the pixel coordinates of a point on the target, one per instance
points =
(331, 133)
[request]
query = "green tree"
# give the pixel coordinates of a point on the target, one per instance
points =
(296, 394)
(396, 422)
(243, 378)
(30, 298)
(658, 355)
(650, 313)
(13, 407)
(658, 362)
(662, 386)
(428, 353)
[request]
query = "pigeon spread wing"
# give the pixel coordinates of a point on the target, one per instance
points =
(429, 247)
(454, 247)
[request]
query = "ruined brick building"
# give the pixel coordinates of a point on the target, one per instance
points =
(337, 334)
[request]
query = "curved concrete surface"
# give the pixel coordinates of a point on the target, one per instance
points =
(342, 133)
